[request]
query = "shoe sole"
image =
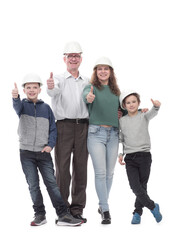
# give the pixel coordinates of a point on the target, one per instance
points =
(33, 224)
(67, 224)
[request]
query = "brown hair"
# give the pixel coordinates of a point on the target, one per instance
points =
(112, 81)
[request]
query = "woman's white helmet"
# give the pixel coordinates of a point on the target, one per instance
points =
(72, 47)
(103, 61)
(124, 94)
(31, 78)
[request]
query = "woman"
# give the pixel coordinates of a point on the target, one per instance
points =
(102, 98)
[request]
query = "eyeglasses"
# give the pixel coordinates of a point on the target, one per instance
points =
(71, 56)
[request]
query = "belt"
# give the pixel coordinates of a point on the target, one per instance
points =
(76, 120)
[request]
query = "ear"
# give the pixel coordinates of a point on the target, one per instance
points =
(24, 90)
(64, 58)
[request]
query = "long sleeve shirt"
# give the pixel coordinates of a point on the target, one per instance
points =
(66, 97)
(134, 132)
(104, 109)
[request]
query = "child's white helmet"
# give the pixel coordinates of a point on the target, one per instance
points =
(124, 94)
(31, 78)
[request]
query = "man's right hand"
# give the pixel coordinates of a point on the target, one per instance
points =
(15, 91)
(50, 82)
(90, 97)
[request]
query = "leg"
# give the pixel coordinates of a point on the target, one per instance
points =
(79, 169)
(45, 165)
(111, 157)
(63, 150)
(29, 166)
(97, 150)
(138, 171)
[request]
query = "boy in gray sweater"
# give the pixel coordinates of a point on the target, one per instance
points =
(135, 138)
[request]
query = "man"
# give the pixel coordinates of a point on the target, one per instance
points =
(72, 126)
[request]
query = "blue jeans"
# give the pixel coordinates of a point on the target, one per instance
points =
(103, 149)
(31, 163)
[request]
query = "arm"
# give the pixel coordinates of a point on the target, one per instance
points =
(88, 95)
(121, 140)
(52, 133)
(154, 111)
(17, 103)
(53, 87)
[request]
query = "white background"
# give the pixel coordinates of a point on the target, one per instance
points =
(138, 37)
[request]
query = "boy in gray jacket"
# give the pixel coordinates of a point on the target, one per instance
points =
(37, 135)
(136, 145)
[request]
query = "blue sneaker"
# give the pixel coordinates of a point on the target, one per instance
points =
(136, 219)
(156, 213)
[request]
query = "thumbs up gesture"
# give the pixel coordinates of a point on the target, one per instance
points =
(156, 103)
(50, 82)
(15, 91)
(90, 97)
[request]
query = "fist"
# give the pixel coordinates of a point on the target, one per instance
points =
(156, 103)
(50, 82)
(15, 91)
(90, 97)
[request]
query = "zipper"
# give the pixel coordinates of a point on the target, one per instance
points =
(35, 125)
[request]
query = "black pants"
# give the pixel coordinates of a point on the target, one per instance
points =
(138, 170)
(72, 144)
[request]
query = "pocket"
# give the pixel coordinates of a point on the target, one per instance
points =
(93, 129)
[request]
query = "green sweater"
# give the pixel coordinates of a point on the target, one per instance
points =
(104, 109)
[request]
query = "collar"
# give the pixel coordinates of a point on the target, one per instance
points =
(68, 75)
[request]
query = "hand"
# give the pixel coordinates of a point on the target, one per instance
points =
(50, 82)
(90, 97)
(144, 110)
(47, 149)
(120, 114)
(120, 159)
(156, 103)
(15, 91)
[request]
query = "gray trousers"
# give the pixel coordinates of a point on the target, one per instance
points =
(71, 153)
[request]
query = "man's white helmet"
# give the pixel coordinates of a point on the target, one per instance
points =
(72, 47)
(124, 94)
(103, 61)
(31, 78)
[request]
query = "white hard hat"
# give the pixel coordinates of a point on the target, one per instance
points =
(31, 78)
(103, 61)
(72, 47)
(124, 94)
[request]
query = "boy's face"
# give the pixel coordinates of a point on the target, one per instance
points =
(32, 90)
(131, 105)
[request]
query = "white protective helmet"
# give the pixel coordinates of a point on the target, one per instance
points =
(72, 47)
(124, 94)
(103, 61)
(31, 78)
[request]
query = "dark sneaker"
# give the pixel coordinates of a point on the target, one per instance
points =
(38, 220)
(68, 220)
(80, 217)
(106, 218)
(156, 213)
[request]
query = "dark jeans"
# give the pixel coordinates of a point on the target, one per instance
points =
(31, 163)
(72, 143)
(138, 170)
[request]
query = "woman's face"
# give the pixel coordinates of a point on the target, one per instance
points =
(103, 74)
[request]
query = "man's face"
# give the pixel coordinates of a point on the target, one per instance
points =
(73, 61)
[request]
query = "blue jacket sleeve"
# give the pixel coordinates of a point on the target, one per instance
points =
(17, 105)
(52, 130)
